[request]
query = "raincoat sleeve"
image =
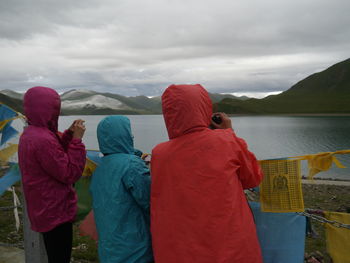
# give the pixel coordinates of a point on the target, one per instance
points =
(138, 182)
(249, 173)
(65, 166)
(66, 138)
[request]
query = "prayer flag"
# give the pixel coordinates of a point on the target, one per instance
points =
(88, 227)
(281, 235)
(338, 238)
(6, 113)
(6, 153)
(82, 187)
(7, 133)
(280, 190)
(11, 177)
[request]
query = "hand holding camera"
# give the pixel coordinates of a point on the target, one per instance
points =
(78, 129)
(220, 120)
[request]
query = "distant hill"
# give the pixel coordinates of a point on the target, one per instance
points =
(15, 104)
(216, 97)
(80, 102)
(324, 92)
(88, 102)
(12, 94)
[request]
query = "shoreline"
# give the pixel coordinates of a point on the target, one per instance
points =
(289, 114)
(239, 114)
(325, 182)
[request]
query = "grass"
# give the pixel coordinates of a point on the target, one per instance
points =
(324, 197)
(84, 249)
(8, 232)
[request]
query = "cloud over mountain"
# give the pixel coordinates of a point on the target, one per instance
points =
(139, 47)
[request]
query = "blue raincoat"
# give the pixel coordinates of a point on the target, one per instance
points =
(120, 189)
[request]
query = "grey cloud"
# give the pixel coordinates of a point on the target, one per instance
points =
(140, 47)
(22, 19)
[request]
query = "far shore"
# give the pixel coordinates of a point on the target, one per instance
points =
(238, 114)
(292, 114)
(326, 182)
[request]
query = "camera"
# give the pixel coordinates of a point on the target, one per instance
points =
(217, 119)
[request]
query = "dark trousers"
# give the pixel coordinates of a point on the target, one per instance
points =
(58, 243)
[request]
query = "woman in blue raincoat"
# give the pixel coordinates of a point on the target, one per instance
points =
(120, 189)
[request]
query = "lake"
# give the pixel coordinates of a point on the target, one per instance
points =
(268, 137)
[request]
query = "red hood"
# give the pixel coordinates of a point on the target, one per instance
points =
(42, 107)
(186, 108)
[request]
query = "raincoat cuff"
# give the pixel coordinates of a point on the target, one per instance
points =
(76, 140)
(68, 132)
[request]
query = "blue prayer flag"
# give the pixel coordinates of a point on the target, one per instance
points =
(6, 112)
(11, 177)
(281, 235)
(7, 133)
(94, 156)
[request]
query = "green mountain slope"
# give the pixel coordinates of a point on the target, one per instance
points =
(324, 92)
(216, 97)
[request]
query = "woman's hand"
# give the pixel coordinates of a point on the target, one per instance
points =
(78, 128)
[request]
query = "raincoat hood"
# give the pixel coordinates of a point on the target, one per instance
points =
(186, 108)
(42, 107)
(114, 135)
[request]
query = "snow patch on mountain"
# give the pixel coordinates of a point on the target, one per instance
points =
(95, 101)
(76, 94)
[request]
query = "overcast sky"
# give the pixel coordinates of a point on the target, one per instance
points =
(134, 47)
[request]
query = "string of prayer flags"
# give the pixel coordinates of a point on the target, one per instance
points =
(280, 190)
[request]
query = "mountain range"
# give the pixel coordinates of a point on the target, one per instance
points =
(323, 92)
(88, 102)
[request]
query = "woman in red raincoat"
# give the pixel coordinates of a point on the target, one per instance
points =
(199, 212)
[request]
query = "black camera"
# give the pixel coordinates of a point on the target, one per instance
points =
(217, 119)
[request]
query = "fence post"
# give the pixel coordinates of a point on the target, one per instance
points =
(34, 247)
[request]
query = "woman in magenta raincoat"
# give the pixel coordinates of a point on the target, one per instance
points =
(199, 212)
(50, 164)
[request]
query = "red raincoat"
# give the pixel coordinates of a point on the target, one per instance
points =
(49, 165)
(199, 213)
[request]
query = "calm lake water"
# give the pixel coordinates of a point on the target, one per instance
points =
(268, 137)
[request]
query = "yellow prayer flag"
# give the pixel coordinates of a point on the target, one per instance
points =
(90, 167)
(322, 161)
(338, 239)
(281, 191)
(6, 153)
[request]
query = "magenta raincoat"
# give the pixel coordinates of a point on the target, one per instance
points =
(49, 163)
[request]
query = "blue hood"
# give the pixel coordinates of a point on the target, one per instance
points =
(114, 135)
